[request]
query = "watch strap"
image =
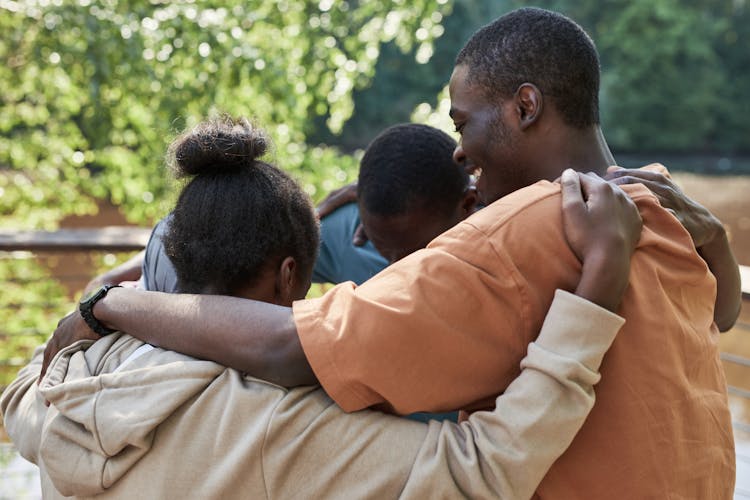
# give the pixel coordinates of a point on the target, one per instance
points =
(86, 308)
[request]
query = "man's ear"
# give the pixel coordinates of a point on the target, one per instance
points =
(286, 281)
(470, 201)
(529, 104)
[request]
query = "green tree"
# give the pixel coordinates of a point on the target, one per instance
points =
(674, 73)
(399, 85)
(93, 91)
(661, 89)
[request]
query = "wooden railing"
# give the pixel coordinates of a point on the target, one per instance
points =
(64, 261)
(108, 239)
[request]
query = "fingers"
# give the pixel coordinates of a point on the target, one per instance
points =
(574, 203)
(635, 175)
(590, 184)
(611, 205)
(598, 216)
(601, 196)
(70, 329)
(574, 212)
(669, 196)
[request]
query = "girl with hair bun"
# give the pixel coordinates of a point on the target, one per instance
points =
(241, 226)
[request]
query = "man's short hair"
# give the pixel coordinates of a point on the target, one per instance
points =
(410, 166)
(532, 45)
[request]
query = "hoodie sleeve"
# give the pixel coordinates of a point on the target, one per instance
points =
(24, 409)
(506, 453)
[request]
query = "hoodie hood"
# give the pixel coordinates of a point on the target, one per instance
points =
(100, 423)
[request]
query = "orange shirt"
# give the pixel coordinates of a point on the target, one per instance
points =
(446, 328)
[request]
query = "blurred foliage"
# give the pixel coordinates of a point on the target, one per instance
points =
(674, 74)
(94, 90)
(670, 72)
(32, 305)
(399, 85)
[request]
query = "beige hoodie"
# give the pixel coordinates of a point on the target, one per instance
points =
(166, 425)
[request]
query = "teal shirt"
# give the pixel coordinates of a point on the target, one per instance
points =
(339, 260)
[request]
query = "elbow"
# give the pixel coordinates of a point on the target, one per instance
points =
(290, 367)
(284, 362)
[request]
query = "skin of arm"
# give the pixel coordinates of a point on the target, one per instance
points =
(720, 259)
(602, 227)
(179, 319)
(261, 338)
(708, 234)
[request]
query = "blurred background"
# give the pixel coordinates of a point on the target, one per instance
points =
(93, 91)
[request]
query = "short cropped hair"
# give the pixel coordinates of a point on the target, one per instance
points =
(531, 45)
(237, 215)
(410, 166)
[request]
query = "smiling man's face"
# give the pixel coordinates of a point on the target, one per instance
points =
(489, 144)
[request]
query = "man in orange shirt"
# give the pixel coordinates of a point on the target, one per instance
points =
(446, 327)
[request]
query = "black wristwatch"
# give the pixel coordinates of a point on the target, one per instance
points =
(86, 307)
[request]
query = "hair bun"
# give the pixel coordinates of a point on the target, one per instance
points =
(217, 145)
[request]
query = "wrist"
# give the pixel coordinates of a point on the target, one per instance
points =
(86, 309)
(103, 307)
(604, 277)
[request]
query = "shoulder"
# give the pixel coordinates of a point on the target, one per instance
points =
(527, 218)
(540, 200)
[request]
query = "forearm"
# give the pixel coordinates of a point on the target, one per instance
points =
(506, 453)
(255, 337)
(720, 259)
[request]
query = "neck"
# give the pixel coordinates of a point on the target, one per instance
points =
(582, 150)
(589, 151)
